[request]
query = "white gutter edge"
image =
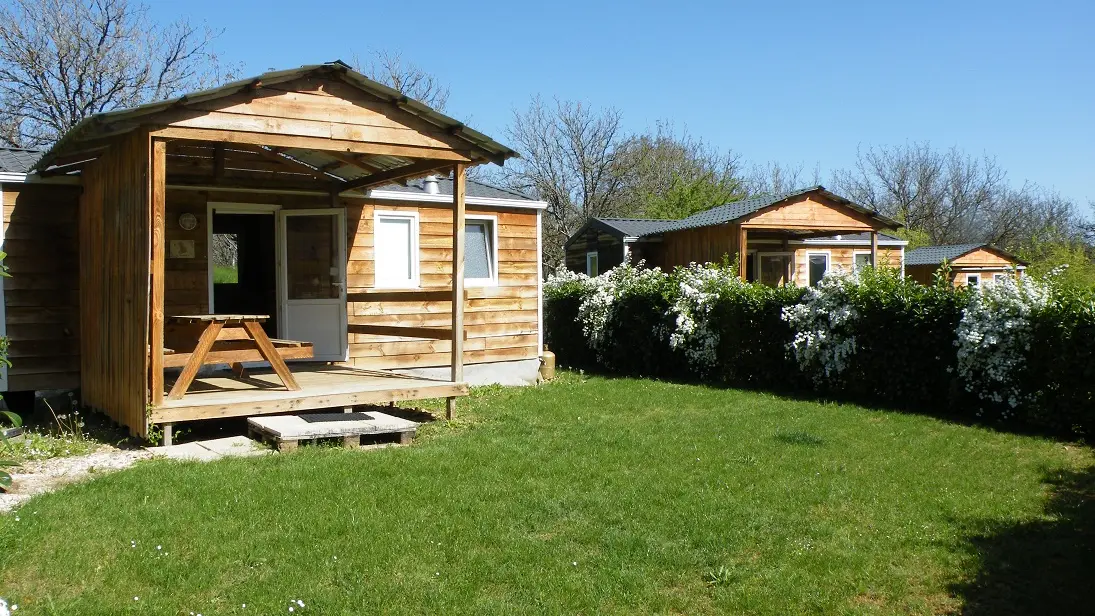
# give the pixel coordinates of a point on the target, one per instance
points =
(396, 195)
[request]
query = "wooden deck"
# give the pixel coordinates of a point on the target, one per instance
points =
(323, 386)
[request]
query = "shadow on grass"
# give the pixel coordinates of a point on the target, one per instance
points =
(1039, 567)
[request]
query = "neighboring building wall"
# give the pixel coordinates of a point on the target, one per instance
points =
(981, 262)
(842, 256)
(501, 321)
(609, 249)
(42, 294)
(700, 245)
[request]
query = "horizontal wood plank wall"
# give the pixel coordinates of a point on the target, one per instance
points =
(840, 256)
(701, 245)
(810, 214)
(610, 253)
(983, 258)
(42, 295)
(114, 264)
(500, 321)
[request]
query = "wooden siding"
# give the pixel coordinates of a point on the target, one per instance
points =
(42, 295)
(702, 245)
(810, 214)
(114, 275)
(839, 256)
(501, 321)
(983, 258)
(610, 252)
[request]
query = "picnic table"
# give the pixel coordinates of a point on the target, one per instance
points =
(197, 340)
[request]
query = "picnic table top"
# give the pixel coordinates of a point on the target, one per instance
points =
(221, 318)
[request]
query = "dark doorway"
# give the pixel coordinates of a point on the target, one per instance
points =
(245, 266)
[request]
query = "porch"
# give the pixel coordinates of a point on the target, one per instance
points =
(222, 394)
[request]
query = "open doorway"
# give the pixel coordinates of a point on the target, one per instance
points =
(244, 261)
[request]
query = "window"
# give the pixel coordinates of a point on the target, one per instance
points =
(999, 277)
(862, 259)
(819, 266)
(774, 268)
(396, 249)
(973, 280)
(480, 256)
(591, 264)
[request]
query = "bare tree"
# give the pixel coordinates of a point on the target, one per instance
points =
(63, 60)
(775, 178)
(945, 194)
(390, 69)
(672, 175)
(570, 158)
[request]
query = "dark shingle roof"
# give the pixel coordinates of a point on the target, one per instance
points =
(935, 255)
(634, 227)
(444, 187)
(18, 160)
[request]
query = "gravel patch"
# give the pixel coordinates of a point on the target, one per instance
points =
(40, 476)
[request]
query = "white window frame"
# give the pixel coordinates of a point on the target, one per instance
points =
(828, 254)
(975, 276)
(856, 253)
(998, 278)
(416, 258)
(597, 255)
(492, 281)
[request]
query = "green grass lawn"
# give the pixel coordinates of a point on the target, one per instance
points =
(584, 497)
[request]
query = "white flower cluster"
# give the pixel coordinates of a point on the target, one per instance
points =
(701, 287)
(822, 324)
(994, 334)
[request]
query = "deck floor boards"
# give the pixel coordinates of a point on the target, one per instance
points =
(260, 392)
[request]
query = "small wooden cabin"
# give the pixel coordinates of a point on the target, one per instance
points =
(969, 264)
(793, 238)
(328, 202)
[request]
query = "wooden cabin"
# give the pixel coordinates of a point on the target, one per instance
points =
(792, 238)
(967, 264)
(308, 227)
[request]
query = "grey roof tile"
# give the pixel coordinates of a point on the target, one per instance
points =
(635, 227)
(18, 160)
(935, 255)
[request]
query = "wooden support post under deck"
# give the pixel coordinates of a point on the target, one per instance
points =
(743, 255)
(459, 187)
(874, 248)
(158, 218)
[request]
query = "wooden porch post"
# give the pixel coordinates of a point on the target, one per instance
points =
(158, 219)
(459, 187)
(874, 248)
(743, 254)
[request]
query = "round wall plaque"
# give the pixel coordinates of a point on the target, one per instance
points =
(188, 221)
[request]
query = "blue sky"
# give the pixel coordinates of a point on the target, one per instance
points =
(794, 82)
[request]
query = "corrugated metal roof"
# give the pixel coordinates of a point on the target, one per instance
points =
(95, 126)
(18, 160)
(935, 255)
(854, 237)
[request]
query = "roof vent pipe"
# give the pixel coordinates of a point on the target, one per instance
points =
(430, 185)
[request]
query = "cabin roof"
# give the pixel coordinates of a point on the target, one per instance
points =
(105, 124)
(18, 160)
(935, 255)
(721, 214)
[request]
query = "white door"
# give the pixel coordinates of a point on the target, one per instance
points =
(313, 275)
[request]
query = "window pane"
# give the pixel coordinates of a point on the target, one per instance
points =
(973, 280)
(311, 257)
(819, 264)
(862, 260)
(394, 262)
(477, 259)
(226, 254)
(591, 264)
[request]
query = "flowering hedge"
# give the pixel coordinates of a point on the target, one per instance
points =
(1016, 350)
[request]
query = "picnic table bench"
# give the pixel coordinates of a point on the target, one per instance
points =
(193, 341)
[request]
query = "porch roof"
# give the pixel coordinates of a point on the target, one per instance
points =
(346, 170)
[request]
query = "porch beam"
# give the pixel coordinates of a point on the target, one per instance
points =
(277, 155)
(312, 143)
(459, 188)
(743, 254)
(874, 248)
(420, 168)
(158, 217)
